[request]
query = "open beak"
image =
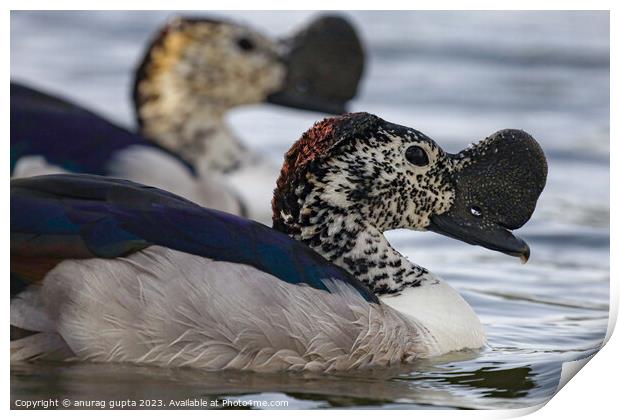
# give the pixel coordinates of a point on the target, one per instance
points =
(324, 65)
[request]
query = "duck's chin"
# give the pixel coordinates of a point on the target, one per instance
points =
(447, 317)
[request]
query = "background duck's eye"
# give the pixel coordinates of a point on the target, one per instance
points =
(476, 211)
(417, 156)
(245, 44)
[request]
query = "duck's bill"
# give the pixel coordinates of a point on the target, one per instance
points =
(293, 99)
(497, 183)
(495, 238)
(324, 64)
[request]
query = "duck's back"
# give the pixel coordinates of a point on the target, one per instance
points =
(67, 135)
(50, 135)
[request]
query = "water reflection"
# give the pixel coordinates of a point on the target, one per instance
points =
(499, 383)
(435, 383)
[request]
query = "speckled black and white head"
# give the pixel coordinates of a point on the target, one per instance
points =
(196, 69)
(193, 72)
(351, 178)
(231, 64)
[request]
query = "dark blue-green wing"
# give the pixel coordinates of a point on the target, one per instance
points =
(80, 216)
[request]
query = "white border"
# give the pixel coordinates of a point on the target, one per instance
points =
(592, 393)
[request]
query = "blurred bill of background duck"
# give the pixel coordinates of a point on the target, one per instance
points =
(108, 270)
(193, 72)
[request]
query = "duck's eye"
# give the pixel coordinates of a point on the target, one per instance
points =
(476, 211)
(417, 156)
(245, 44)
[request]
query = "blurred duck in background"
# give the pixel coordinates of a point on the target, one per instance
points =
(108, 270)
(193, 73)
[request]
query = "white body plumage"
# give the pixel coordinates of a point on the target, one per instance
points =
(156, 168)
(169, 308)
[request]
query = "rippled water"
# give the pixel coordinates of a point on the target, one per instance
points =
(457, 77)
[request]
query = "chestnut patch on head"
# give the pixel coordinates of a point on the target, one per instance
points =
(313, 148)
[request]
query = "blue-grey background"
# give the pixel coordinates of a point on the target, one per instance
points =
(457, 77)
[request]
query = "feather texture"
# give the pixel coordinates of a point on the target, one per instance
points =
(82, 216)
(165, 307)
(67, 135)
(50, 135)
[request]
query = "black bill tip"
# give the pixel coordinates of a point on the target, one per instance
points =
(524, 256)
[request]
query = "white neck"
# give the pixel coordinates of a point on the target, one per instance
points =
(443, 312)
